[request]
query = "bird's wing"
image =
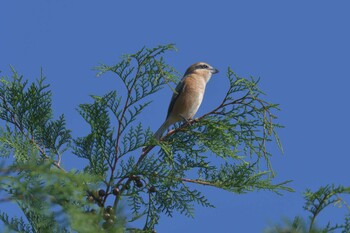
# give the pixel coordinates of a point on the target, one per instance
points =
(178, 89)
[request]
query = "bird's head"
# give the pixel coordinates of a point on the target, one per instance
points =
(203, 69)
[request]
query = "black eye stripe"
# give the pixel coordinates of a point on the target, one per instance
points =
(202, 67)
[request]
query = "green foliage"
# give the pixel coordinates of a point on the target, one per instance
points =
(27, 111)
(315, 203)
(225, 148)
(51, 199)
(121, 150)
(295, 226)
(326, 196)
(15, 223)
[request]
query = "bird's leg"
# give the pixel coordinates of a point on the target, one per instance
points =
(187, 120)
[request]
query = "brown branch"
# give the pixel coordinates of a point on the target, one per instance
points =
(223, 104)
(120, 122)
(147, 149)
(201, 182)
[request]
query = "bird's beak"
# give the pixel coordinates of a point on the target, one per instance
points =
(214, 71)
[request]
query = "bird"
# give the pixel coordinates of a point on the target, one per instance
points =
(188, 95)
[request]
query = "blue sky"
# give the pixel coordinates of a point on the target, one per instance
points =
(299, 49)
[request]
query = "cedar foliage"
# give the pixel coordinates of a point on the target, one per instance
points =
(126, 168)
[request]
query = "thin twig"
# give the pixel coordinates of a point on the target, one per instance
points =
(202, 182)
(126, 105)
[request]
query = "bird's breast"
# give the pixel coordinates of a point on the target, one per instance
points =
(190, 99)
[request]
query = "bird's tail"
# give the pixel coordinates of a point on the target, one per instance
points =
(162, 129)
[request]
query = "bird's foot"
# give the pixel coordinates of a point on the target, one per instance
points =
(190, 121)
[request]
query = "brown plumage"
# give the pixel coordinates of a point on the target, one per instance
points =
(189, 94)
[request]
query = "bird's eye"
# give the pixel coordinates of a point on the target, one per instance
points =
(204, 67)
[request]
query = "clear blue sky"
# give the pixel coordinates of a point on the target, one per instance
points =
(300, 49)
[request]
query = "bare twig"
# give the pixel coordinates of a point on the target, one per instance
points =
(202, 182)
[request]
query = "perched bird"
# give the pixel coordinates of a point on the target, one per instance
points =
(188, 96)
